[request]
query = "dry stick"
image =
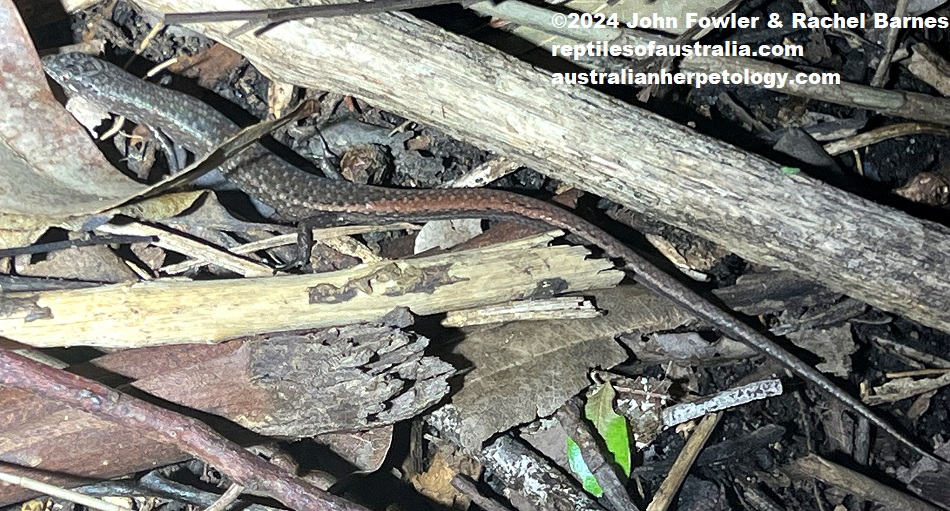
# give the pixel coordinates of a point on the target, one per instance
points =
(916, 373)
(227, 498)
(155, 483)
(190, 435)
(264, 18)
(664, 496)
(884, 133)
(880, 75)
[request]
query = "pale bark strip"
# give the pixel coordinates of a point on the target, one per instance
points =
(638, 159)
(166, 311)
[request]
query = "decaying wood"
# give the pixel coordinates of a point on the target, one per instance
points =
(177, 312)
(741, 201)
(767, 292)
(285, 385)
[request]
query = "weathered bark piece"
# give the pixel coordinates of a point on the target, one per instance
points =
(255, 474)
(288, 385)
(767, 292)
(298, 385)
(741, 201)
(172, 311)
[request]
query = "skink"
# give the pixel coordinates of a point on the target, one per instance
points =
(298, 195)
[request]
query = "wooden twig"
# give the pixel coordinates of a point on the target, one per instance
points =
(888, 132)
(858, 485)
(227, 498)
(880, 74)
(670, 485)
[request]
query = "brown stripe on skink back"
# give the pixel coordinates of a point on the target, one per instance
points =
(298, 195)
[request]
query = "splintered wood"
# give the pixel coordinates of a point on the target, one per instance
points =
(178, 312)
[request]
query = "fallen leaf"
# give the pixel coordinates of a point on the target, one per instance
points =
(50, 172)
(530, 368)
(611, 427)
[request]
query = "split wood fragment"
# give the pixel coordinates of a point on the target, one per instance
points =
(175, 312)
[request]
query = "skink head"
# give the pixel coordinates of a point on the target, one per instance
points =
(76, 72)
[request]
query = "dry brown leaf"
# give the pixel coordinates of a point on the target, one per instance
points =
(50, 170)
(365, 450)
(527, 369)
(835, 344)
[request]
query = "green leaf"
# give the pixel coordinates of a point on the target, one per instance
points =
(581, 470)
(611, 427)
(790, 171)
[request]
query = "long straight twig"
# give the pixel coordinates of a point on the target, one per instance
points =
(262, 18)
(281, 14)
(880, 74)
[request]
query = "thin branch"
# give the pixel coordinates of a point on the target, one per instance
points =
(880, 75)
(260, 18)
(674, 480)
(227, 498)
